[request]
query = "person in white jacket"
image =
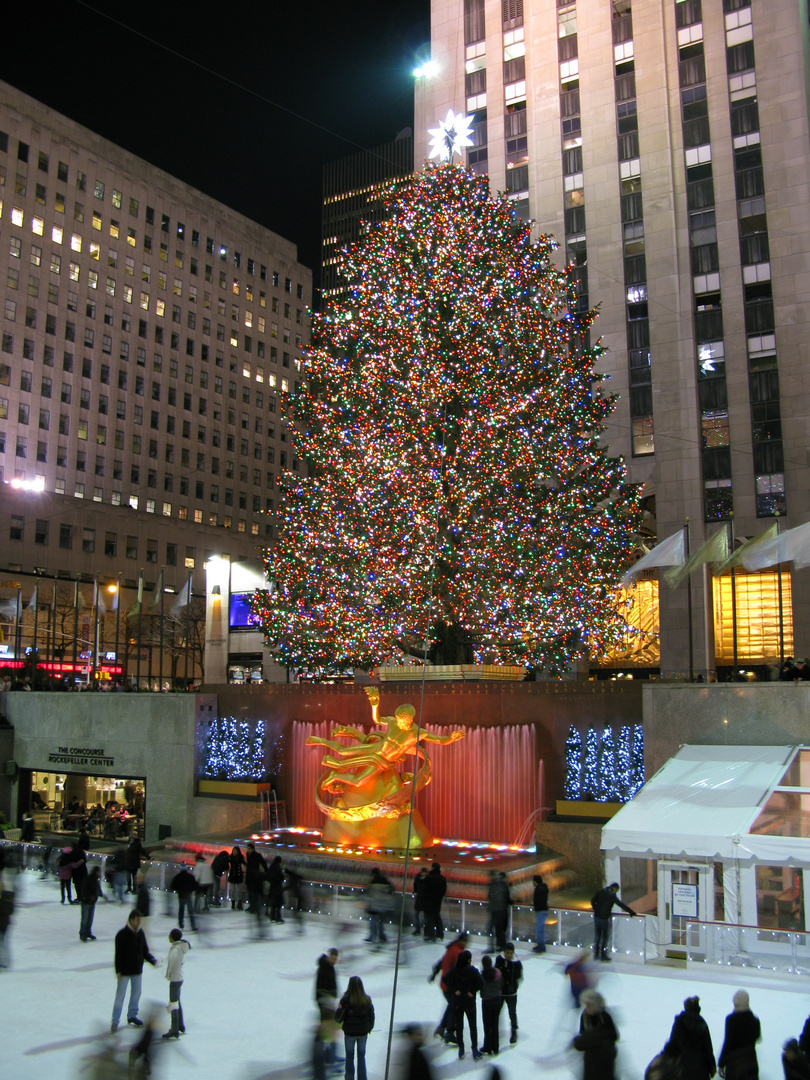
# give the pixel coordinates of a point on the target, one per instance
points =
(174, 975)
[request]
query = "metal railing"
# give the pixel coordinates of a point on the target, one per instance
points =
(748, 947)
(565, 927)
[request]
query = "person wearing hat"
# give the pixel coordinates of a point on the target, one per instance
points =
(690, 1043)
(738, 1058)
(597, 1038)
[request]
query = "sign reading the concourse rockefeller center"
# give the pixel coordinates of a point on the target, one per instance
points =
(81, 755)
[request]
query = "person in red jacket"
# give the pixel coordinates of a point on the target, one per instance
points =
(447, 1025)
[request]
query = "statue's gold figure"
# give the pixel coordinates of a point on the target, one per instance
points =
(364, 779)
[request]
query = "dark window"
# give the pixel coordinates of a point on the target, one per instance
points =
(744, 117)
(700, 194)
(696, 133)
(691, 70)
(567, 47)
(626, 87)
(628, 146)
(705, 259)
(687, 13)
(514, 70)
(740, 57)
(575, 221)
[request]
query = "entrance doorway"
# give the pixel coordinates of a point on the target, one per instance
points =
(685, 895)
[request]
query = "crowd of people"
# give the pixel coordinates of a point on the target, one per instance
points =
(478, 997)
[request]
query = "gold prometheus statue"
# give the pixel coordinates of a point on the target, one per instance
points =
(371, 797)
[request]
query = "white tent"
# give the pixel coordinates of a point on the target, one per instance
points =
(703, 803)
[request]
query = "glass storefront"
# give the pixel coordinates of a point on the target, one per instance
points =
(108, 807)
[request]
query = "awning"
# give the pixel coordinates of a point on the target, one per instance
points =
(702, 803)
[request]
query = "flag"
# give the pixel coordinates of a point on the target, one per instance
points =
(32, 603)
(792, 546)
(669, 552)
(8, 608)
(751, 545)
(116, 596)
(79, 599)
(156, 595)
(98, 599)
(136, 607)
(182, 599)
(713, 550)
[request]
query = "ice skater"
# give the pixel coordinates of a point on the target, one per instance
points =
(178, 947)
(131, 950)
(602, 903)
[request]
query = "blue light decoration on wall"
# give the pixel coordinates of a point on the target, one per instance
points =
(590, 777)
(612, 772)
(573, 764)
(234, 750)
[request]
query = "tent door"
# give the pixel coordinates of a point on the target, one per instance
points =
(683, 897)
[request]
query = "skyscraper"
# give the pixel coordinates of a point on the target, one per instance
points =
(665, 144)
(148, 334)
(353, 189)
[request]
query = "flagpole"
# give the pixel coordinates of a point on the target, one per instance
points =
(53, 628)
(140, 629)
(95, 632)
(18, 626)
(733, 594)
(118, 624)
(188, 621)
(781, 612)
(35, 654)
(75, 626)
(689, 607)
(160, 655)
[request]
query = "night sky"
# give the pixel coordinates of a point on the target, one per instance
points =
(317, 80)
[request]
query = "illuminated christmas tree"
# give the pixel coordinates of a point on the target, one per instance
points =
(608, 781)
(573, 764)
(624, 771)
(447, 421)
(637, 760)
(590, 777)
(257, 755)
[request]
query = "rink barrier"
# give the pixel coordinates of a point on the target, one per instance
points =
(743, 946)
(565, 927)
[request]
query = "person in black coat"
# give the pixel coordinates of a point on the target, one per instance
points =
(540, 905)
(255, 869)
(131, 950)
(433, 891)
(419, 901)
(602, 903)
(418, 1067)
(738, 1058)
(356, 1013)
(236, 876)
(464, 982)
(794, 1063)
(597, 1038)
(275, 899)
(89, 894)
(690, 1043)
(135, 852)
(184, 884)
(220, 865)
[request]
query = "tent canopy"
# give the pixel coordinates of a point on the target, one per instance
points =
(703, 803)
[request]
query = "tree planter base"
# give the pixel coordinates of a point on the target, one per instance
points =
(452, 673)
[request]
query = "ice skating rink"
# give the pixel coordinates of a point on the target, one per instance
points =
(249, 1008)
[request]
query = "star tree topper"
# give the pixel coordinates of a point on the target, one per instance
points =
(451, 136)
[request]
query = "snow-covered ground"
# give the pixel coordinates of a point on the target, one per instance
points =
(249, 1004)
